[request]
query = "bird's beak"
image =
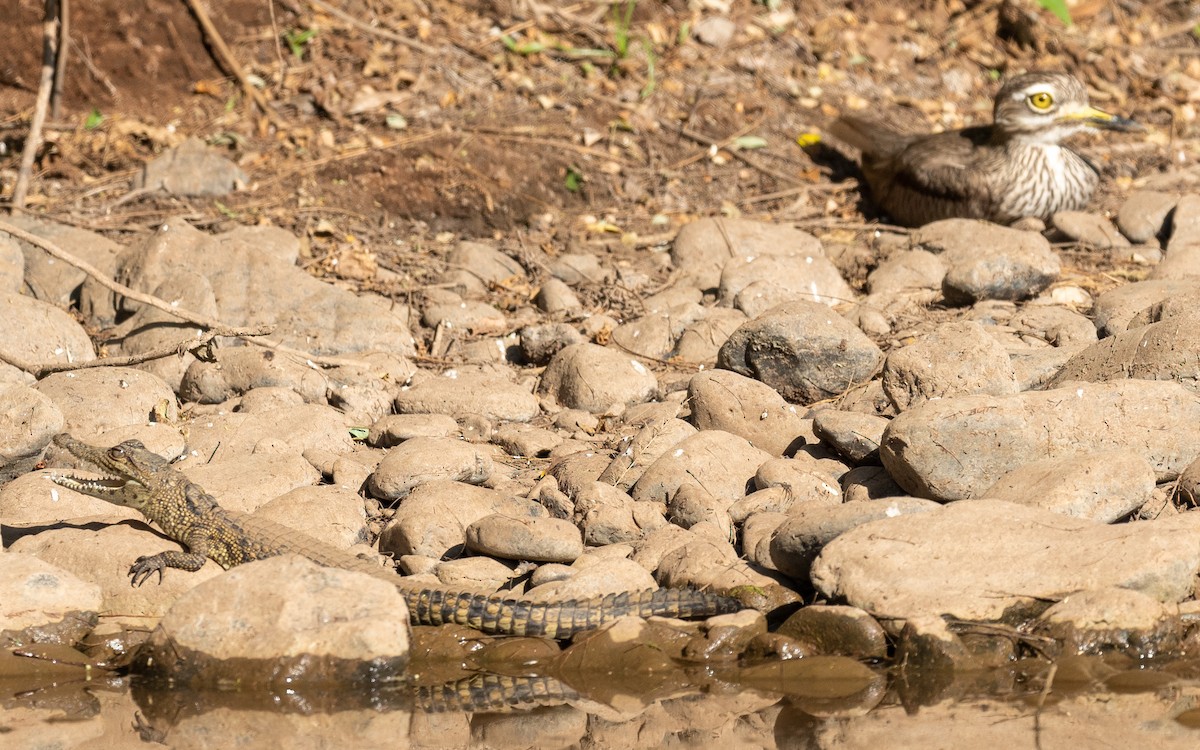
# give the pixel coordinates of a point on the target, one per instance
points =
(1098, 118)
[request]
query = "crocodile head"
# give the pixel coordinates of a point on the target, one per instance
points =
(133, 475)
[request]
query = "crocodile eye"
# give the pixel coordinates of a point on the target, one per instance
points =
(116, 452)
(1041, 101)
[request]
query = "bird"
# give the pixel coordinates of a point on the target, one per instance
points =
(1011, 169)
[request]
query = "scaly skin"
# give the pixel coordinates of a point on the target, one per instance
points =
(142, 480)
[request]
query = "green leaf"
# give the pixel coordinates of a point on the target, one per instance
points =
(749, 142)
(359, 433)
(574, 179)
(93, 120)
(1058, 8)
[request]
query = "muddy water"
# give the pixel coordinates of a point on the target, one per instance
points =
(46, 700)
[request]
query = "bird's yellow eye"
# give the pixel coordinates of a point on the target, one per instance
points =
(1042, 100)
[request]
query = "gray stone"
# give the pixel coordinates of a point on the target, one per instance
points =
(726, 400)
(129, 397)
(949, 449)
(642, 449)
(703, 247)
(34, 592)
(490, 396)
(58, 282)
(536, 539)
(869, 483)
(1165, 350)
(1103, 486)
(988, 261)
(955, 359)
(1182, 260)
(433, 519)
(243, 368)
(809, 528)
(1143, 215)
(473, 266)
(555, 296)
(1089, 229)
(804, 350)
(425, 459)
(719, 462)
(191, 169)
(1113, 619)
(810, 276)
(540, 342)
(28, 419)
(852, 434)
(701, 342)
(591, 377)
(907, 272)
(1118, 306)
(40, 333)
(327, 513)
(309, 623)
(990, 560)
(834, 630)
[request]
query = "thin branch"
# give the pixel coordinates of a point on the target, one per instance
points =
(157, 302)
(230, 63)
(40, 370)
(363, 26)
(33, 141)
(63, 52)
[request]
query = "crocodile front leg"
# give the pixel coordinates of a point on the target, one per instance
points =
(147, 565)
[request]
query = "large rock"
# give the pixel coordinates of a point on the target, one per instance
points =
(702, 248)
(296, 620)
(722, 464)
(957, 448)
(992, 560)
(1165, 350)
(597, 379)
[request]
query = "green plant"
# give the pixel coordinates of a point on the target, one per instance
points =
(93, 120)
(621, 23)
(297, 40)
(1058, 8)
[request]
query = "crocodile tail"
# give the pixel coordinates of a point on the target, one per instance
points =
(500, 616)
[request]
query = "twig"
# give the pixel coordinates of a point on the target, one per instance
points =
(384, 33)
(230, 63)
(39, 370)
(63, 52)
(33, 141)
(157, 302)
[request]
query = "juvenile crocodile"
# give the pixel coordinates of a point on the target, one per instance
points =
(140, 479)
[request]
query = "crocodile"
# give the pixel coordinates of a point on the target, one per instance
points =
(140, 479)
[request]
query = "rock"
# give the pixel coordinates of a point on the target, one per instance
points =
(837, 630)
(539, 343)
(725, 400)
(809, 528)
(1165, 350)
(191, 169)
(12, 266)
(703, 247)
(101, 552)
(720, 463)
(301, 622)
(28, 419)
(578, 268)
(474, 266)
(1143, 215)
(433, 519)
(421, 459)
(490, 396)
(948, 449)
(715, 31)
(39, 333)
(555, 296)
(394, 429)
(587, 579)
(607, 515)
(907, 272)
(34, 592)
(988, 261)
(803, 476)
(526, 441)
(869, 483)
(1115, 308)
(333, 515)
(701, 342)
(710, 562)
(654, 335)
(1182, 260)
(536, 539)
(691, 505)
(245, 482)
(1113, 619)
(294, 429)
(852, 434)
(955, 359)
(482, 574)
(151, 328)
(772, 500)
(940, 564)
(803, 350)
(811, 277)
(643, 449)
(31, 499)
(240, 369)
(591, 377)
(472, 316)
(1088, 229)
(1104, 486)
(1057, 326)
(129, 396)
(928, 644)
(59, 282)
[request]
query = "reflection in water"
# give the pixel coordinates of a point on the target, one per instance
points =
(822, 702)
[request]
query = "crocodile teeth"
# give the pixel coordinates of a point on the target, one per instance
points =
(84, 484)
